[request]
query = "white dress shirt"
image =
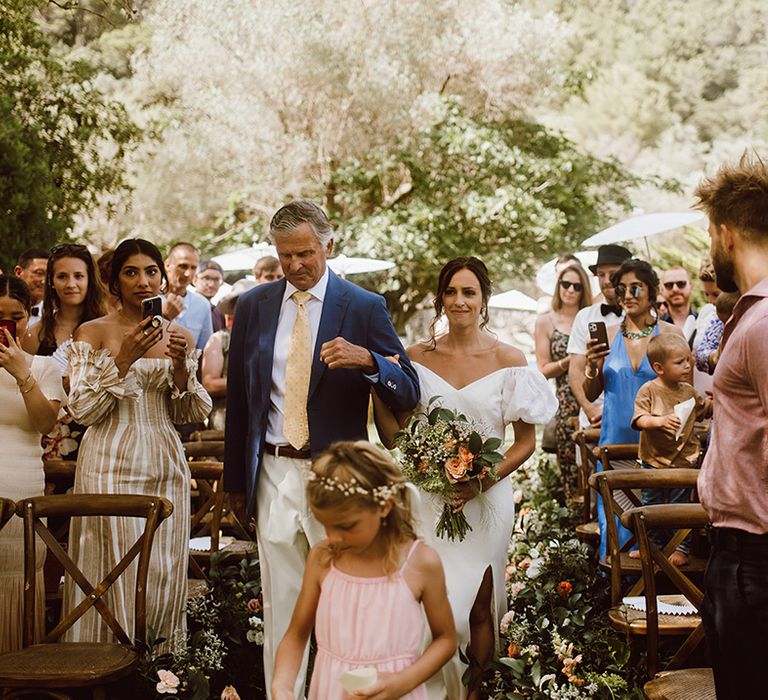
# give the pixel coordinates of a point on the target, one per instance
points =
(285, 323)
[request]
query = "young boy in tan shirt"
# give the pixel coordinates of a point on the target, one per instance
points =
(660, 445)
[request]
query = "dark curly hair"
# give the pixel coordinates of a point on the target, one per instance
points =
(16, 288)
(644, 272)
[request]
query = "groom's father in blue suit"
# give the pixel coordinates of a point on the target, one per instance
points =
(304, 354)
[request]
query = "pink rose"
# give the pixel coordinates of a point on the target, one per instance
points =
(254, 605)
(229, 693)
(455, 469)
(169, 682)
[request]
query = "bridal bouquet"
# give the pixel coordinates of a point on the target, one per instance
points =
(441, 448)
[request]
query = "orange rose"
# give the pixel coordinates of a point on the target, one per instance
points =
(455, 469)
(564, 589)
(422, 466)
(466, 456)
(513, 651)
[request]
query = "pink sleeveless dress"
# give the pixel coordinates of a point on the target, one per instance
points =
(362, 622)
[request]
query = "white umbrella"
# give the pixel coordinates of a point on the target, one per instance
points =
(512, 300)
(343, 265)
(244, 258)
(643, 225)
(546, 277)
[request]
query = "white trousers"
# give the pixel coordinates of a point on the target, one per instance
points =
(286, 530)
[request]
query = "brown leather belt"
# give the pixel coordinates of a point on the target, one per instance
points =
(286, 451)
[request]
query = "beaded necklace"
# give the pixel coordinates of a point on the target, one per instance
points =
(633, 335)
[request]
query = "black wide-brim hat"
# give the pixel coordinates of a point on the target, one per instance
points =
(610, 254)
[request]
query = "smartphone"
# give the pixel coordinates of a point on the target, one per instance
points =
(153, 307)
(11, 326)
(598, 332)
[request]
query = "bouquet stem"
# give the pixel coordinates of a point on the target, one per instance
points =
(452, 524)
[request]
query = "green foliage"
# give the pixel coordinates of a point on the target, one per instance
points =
(508, 191)
(61, 141)
(557, 640)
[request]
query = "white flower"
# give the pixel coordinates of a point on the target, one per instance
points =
(517, 496)
(546, 679)
(534, 569)
(515, 588)
(255, 622)
(506, 621)
(169, 682)
(255, 637)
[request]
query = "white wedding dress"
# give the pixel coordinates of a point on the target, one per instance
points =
(493, 401)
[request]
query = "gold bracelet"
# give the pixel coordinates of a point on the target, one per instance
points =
(591, 376)
(25, 380)
(29, 388)
(560, 364)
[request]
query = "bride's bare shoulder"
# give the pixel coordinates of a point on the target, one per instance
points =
(416, 352)
(510, 356)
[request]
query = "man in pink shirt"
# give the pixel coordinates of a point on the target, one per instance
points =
(733, 484)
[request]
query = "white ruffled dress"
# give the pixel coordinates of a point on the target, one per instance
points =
(493, 401)
(131, 447)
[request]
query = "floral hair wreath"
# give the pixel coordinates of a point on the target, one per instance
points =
(379, 494)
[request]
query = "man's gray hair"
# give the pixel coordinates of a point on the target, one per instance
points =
(300, 211)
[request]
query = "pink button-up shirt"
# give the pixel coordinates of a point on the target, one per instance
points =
(733, 483)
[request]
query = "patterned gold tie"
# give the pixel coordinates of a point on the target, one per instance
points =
(298, 369)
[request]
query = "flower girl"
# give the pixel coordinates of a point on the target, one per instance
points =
(364, 587)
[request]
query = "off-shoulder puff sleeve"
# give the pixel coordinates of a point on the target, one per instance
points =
(95, 383)
(192, 405)
(527, 396)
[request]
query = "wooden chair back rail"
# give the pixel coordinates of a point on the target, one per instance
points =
(153, 509)
(206, 435)
(209, 449)
(608, 453)
(647, 478)
(584, 438)
(651, 557)
(210, 477)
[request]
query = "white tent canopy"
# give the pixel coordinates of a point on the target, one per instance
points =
(512, 299)
(644, 225)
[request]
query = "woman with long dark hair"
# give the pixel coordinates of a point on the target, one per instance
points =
(73, 296)
(491, 383)
(622, 368)
(30, 395)
(131, 379)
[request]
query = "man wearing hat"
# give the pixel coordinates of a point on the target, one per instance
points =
(216, 354)
(609, 259)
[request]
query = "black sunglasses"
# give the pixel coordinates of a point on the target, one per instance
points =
(577, 286)
(680, 284)
(635, 289)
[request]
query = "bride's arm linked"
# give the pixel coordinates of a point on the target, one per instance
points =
(387, 422)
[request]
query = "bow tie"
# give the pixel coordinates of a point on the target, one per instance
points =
(35, 311)
(606, 309)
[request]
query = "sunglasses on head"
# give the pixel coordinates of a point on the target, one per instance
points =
(680, 284)
(577, 286)
(635, 289)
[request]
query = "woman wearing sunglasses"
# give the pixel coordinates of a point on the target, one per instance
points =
(553, 329)
(73, 295)
(621, 368)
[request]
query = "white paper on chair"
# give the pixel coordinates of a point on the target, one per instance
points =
(683, 412)
(665, 604)
(203, 544)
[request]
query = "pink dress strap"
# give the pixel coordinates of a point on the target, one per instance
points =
(411, 550)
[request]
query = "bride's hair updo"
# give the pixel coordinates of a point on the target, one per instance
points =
(478, 269)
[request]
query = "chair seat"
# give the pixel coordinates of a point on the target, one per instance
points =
(687, 684)
(588, 531)
(239, 549)
(629, 620)
(66, 665)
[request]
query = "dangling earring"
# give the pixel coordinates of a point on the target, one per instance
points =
(384, 520)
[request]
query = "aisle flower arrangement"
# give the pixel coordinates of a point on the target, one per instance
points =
(556, 639)
(221, 654)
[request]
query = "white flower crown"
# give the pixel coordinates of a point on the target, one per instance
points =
(378, 494)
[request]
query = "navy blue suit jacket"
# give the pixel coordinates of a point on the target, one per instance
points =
(337, 405)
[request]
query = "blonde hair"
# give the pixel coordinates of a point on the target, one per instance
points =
(586, 289)
(663, 344)
(354, 475)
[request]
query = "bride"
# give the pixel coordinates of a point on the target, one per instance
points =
(491, 383)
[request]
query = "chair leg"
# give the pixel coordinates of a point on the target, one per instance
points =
(99, 693)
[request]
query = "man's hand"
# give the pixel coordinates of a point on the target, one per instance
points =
(594, 415)
(341, 354)
(238, 507)
(174, 305)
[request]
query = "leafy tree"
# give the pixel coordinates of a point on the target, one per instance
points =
(61, 141)
(506, 190)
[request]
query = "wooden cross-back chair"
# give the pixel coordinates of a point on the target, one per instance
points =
(684, 517)
(585, 440)
(207, 436)
(52, 664)
(609, 484)
(7, 509)
(207, 514)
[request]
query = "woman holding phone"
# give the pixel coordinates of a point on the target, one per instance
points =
(620, 367)
(130, 380)
(30, 395)
(73, 296)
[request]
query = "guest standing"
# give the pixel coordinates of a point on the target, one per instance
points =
(208, 281)
(30, 395)
(31, 268)
(733, 484)
(129, 382)
(73, 297)
(553, 329)
(621, 369)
